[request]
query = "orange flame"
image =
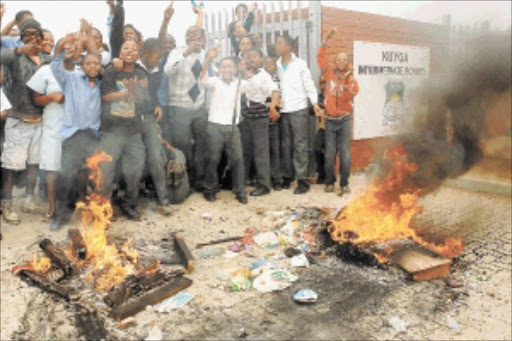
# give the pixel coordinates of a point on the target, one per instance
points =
(110, 266)
(42, 264)
(385, 212)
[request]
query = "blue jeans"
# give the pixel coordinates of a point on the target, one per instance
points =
(337, 138)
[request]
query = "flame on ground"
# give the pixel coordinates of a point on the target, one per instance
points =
(108, 265)
(42, 264)
(385, 212)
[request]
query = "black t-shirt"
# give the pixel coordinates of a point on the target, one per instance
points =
(125, 114)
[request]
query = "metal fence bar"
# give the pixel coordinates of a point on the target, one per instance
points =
(281, 18)
(263, 26)
(272, 30)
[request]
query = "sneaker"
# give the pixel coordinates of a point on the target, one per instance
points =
(329, 188)
(343, 190)
(259, 191)
(10, 216)
(30, 205)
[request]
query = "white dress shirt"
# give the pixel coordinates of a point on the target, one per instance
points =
(260, 87)
(296, 85)
(222, 99)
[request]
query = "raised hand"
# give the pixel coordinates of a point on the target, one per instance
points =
(2, 10)
(29, 49)
(254, 7)
(85, 27)
(169, 11)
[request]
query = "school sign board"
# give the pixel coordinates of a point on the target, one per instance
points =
(387, 74)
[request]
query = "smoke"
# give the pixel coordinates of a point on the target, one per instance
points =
(443, 135)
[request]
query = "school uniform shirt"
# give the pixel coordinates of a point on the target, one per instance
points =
(154, 77)
(223, 97)
(260, 86)
(126, 114)
(44, 82)
(82, 104)
(296, 85)
(185, 86)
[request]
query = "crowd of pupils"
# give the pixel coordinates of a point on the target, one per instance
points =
(173, 119)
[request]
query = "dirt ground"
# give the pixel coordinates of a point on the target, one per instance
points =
(354, 301)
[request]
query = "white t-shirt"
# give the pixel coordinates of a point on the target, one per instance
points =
(260, 87)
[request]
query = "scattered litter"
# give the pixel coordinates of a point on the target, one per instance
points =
(174, 302)
(211, 252)
(266, 239)
(236, 246)
(242, 333)
(312, 212)
(274, 280)
(472, 286)
(291, 251)
(241, 272)
(397, 324)
(230, 254)
(128, 322)
(207, 216)
(257, 264)
(453, 324)
(239, 283)
(453, 282)
(305, 296)
(299, 261)
(154, 335)
(308, 237)
(484, 278)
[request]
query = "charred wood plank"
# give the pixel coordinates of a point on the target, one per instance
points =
(40, 281)
(78, 245)
(155, 296)
(185, 255)
(132, 286)
(58, 257)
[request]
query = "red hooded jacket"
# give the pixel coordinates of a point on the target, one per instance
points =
(339, 90)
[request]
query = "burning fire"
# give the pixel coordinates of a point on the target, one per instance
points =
(109, 266)
(42, 264)
(385, 212)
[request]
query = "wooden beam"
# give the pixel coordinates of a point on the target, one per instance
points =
(185, 255)
(132, 286)
(58, 257)
(153, 297)
(77, 241)
(65, 292)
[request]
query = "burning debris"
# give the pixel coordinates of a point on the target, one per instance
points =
(385, 213)
(108, 270)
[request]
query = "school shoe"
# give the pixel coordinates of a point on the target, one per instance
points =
(286, 183)
(10, 216)
(344, 190)
(259, 191)
(276, 186)
(209, 196)
(329, 188)
(30, 205)
(302, 187)
(242, 199)
(164, 208)
(130, 212)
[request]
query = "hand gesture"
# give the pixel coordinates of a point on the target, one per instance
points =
(169, 11)
(29, 49)
(254, 7)
(85, 27)
(57, 97)
(117, 64)
(197, 10)
(2, 10)
(213, 53)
